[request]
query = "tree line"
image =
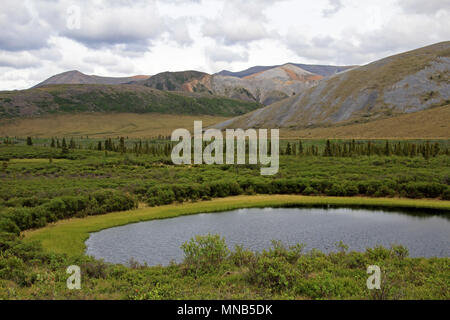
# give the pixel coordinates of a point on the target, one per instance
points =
(162, 146)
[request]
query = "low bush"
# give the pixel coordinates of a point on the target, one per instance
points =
(204, 254)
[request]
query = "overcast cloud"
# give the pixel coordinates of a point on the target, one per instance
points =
(40, 38)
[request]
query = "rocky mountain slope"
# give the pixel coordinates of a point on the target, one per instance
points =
(76, 77)
(267, 86)
(115, 98)
(322, 70)
(187, 81)
(404, 83)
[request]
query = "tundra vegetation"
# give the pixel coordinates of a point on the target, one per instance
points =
(46, 180)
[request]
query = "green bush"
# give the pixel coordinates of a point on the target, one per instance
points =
(204, 254)
(242, 257)
(272, 272)
(446, 194)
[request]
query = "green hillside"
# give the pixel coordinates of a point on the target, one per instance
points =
(115, 98)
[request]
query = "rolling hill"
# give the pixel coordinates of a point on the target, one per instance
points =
(115, 98)
(76, 77)
(400, 84)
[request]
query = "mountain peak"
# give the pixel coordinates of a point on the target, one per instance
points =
(77, 77)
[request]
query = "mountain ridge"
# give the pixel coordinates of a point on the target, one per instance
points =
(323, 70)
(77, 77)
(403, 83)
(264, 85)
(54, 99)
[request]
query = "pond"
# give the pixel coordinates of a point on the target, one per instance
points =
(158, 241)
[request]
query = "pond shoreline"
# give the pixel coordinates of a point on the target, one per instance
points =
(69, 236)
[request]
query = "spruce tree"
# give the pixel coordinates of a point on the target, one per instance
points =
(122, 145)
(64, 149)
(387, 149)
(300, 148)
(327, 151)
(436, 149)
(72, 144)
(288, 149)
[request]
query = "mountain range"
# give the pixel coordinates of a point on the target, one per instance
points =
(403, 83)
(291, 96)
(260, 84)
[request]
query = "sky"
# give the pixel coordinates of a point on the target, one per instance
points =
(40, 38)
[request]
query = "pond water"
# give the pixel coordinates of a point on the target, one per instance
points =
(158, 241)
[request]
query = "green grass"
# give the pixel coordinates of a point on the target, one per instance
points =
(68, 236)
(36, 192)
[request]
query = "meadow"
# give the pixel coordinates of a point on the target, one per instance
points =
(96, 125)
(82, 184)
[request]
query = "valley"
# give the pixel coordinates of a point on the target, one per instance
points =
(84, 153)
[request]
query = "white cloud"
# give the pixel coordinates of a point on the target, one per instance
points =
(123, 37)
(16, 60)
(424, 6)
(221, 54)
(335, 7)
(239, 22)
(21, 28)
(102, 26)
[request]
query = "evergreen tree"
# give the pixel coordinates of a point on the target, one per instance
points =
(29, 141)
(300, 148)
(122, 148)
(288, 149)
(427, 151)
(52, 145)
(436, 149)
(327, 151)
(64, 149)
(72, 144)
(387, 149)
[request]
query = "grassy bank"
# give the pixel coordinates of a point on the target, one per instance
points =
(68, 236)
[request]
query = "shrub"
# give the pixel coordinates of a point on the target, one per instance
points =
(279, 250)
(9, 226)
(400, 251)
(95, 269)
(326, 285)
(273, 272)
(384, 191)
(309, 191)
(446, 194)
(242, 257)
(204, 254)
